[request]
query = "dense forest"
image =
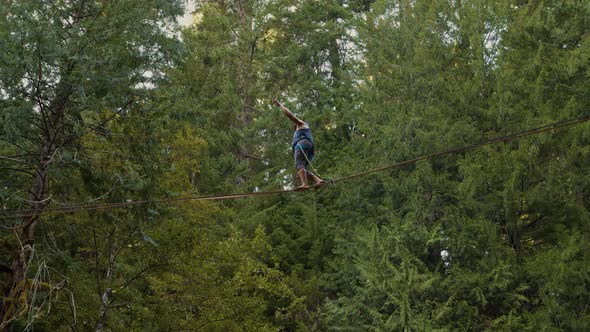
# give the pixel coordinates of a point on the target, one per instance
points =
(113, 102)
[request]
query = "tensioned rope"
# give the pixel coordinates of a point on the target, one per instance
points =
(88, 207)
(549, 127)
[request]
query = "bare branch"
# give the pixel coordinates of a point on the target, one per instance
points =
(17, 170)
(37, 143)
(138, 275)
(534, 222)
(98, 283)
(253, 108)
(48, 160)
(88, 201)
(40, 127)
(15, 160)
(128, 238)
(14, 144)
(33, 202)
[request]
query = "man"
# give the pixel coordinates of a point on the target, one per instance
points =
(303, 148)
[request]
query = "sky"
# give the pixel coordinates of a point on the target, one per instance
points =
(187, 18)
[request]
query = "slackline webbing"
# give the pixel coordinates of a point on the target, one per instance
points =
(89, 207)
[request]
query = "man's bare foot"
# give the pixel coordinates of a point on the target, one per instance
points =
(301, 187)
(320, 183)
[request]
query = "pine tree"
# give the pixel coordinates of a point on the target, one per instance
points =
(68, 69)
(102, 104)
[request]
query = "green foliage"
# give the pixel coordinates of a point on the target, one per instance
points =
(496, 239)
(220, 286)
(444, 76)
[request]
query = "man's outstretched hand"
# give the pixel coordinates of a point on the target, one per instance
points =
(288, 113)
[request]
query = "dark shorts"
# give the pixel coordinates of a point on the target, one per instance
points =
(302, 153)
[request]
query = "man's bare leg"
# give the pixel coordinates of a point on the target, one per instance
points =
(303, 177)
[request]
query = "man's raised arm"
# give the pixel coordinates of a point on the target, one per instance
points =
(288, 113)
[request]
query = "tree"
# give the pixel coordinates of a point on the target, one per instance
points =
(68, 68)
(492, 239)
(440, 76)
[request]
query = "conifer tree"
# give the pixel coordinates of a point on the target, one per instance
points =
(67, 69)
(101, 104)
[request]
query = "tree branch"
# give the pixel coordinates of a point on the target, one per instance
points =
(98, 283)
(532, 223)
(76, 137)
(138, 275)
(16, 160)
(17, 170)
(18, 146)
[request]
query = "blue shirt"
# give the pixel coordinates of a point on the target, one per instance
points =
(304, 133)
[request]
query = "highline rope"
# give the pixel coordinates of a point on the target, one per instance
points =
(88, 207)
